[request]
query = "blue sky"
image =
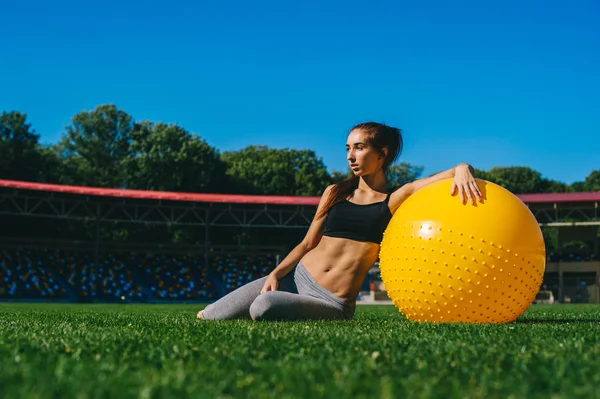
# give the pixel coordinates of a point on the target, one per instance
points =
(490, 83)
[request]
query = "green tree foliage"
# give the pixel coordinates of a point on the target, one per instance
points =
(523, 180)
(553, 186)
(482, 174)
(550, 238)
(516, 179)
(339, 176)
(168, 158)
(402, 173)
(106, 148)
(51, 168)
(578, 186)
(592, 182)
(20, 153)
(263, 170)
(95, 147)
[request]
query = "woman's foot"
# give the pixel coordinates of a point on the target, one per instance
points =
(199, 315)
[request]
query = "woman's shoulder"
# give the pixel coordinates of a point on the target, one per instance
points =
(328, 190)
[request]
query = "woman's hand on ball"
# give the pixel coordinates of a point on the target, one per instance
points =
(465, 183)
(271, 284)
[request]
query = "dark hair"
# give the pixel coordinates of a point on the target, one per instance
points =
(379, 136)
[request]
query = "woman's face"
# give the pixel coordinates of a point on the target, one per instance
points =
(362, 158)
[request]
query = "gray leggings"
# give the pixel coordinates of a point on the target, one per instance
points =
(298, 297)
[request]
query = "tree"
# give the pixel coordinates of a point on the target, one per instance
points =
(310, 173)
(338, 176)
(402, 173)
(592, 182)
(51, 165)
(482, 174)
(522, 180)
(262, 170)
(20, 156)
(168, 158)
(516, 179)
(553, 186)
(95, 147)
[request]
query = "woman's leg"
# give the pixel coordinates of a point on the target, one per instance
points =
(236, 304)
(279, 305)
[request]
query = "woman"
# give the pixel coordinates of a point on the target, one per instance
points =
(321, 277)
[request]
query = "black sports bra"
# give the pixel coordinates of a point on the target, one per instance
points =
(358, 222)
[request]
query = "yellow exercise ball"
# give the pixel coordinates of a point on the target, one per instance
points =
(444, 261)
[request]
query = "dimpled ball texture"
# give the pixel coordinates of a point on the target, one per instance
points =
(445, 261)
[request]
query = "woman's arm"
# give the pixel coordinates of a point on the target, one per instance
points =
(463, 181)
(310, 241)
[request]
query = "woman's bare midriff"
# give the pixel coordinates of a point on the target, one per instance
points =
(340, 265)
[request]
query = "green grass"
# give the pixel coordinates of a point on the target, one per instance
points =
(151, 351)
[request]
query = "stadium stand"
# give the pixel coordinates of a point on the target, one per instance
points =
(141, 276)
(27, 273)
(237, 270)
(107, 271)
(34, 273)
(110, 279)
(175, 276)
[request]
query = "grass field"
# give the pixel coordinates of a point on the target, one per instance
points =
(151, 351)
